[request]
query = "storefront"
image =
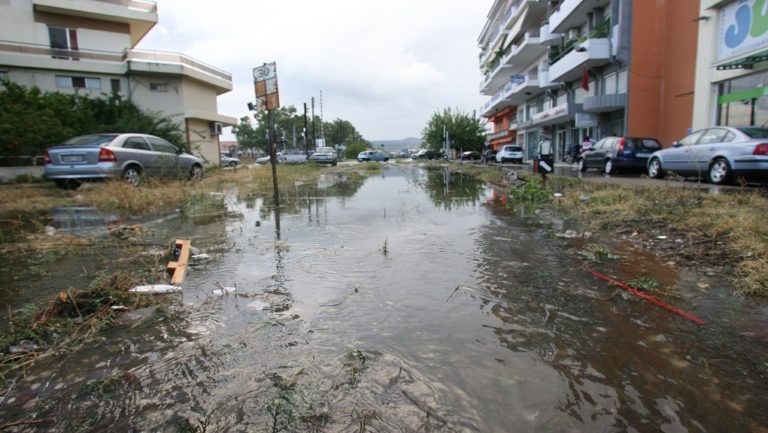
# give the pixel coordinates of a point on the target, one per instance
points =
(743, 101)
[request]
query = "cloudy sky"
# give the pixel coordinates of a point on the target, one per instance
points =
(385, 66)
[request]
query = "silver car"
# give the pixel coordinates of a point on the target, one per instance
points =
(721, 153)
(510, 152)
(108, 156)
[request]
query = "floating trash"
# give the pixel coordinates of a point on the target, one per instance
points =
(155, 288)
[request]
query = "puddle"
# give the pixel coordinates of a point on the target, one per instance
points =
(409, 301)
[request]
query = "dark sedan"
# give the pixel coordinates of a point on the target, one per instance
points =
(612, 154)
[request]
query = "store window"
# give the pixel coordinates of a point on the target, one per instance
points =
(609, 84)
(621, 86)
(744, 101)
(158, 87)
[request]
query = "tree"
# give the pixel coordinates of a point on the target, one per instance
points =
(247, 136)
(354, 148)
(342, 132)
(32, 120)
(464, 131)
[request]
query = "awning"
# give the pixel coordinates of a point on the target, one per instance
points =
(747, 62)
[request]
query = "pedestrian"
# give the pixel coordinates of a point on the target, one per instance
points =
(587, 144)
(546, 157)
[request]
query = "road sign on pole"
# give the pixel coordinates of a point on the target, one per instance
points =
(265, 85)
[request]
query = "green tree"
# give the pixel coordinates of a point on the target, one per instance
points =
(247, 136)
(287, 119)
(342, 132)
(32, 120)
(354, 148)
(465, 132)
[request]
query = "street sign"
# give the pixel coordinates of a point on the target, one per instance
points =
(265, 86)
(267, 71)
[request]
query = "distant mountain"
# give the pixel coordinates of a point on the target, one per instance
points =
(392, 145)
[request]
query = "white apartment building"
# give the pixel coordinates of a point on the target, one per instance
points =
(554, 67)
(87, 46)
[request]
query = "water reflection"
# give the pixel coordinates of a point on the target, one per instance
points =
(473, 318)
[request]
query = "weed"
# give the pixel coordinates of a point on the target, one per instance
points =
(201, 426)
(385, 248)
(597, 253)
(532, 191)
(644, 283)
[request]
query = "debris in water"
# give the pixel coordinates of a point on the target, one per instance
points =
(224, 290)
(155, 288)
(179, 266)
(558, 195)
(569, 234)
(24, 346)
(50, 231)
(258, 305)
(585, 198)
(662, 237)
(200, 257)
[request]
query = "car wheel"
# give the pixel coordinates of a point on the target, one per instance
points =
(132, 175)
(582, 166)
(608, 168)
(67, 183)
(654, 169)
(232, 164)
(719, 172)
(196, 172)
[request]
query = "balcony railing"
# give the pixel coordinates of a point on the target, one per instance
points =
(146, 5)
(113, 57)
(175, 58)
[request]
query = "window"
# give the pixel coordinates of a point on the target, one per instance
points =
(691, 139)
(622, 84)
(63, 39)
(609, 84)
(3, 75)
(161, 145)
(713, 135)
(115, 84)
(135, 143)
(158, 87)
(70, 82)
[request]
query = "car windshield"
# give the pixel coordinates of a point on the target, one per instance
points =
(642, 143)
(515, 149)
(755, 132)
(90, 140)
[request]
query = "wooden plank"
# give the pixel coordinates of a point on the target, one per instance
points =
(179, 267)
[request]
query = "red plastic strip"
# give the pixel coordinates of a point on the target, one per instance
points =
(649, 298)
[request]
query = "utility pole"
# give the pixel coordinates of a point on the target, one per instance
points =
(306, 145)
(322, 127)
(314, 138)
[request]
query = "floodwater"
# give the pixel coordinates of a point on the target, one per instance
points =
(411, 301)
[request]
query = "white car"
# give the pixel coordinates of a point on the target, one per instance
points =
(228, 161)
(292, 156)
(510, 152)
(324, 155)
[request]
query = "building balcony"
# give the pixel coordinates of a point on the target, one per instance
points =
(33, 56)
(557, 114)
(140, 16)
(521, 89)
(548, 38)
(572, 13)
(603, 103)
(524, 54)
(496, 79)
(158, 62)
(571, 63)
(497, 135)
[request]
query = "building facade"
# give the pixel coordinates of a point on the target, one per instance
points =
(88, 46)
(572, 69)
(732, 70)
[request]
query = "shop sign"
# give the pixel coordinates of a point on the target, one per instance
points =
(586, 120)
(743, 28)
(552, 113)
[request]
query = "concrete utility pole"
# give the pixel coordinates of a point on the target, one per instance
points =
(314, 138)
(306, 146)
(322, 127)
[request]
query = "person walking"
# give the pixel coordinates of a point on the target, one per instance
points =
(546, 157)
(587, 144)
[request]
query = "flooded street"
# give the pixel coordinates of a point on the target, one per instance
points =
(413, 300)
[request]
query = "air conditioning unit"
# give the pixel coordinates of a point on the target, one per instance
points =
(216, 128)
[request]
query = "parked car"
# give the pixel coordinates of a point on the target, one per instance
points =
(510, 152)
(424, 154)
(372, 155)
(112, 156)
(470, 155)
(262, 160)
(292, 156)
(489, 156)
(324, 155)
(612, 154)
(228, 161)
(721, 154)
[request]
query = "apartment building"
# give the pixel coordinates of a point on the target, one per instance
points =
(88, 46)
(572, 69)
(732, 67)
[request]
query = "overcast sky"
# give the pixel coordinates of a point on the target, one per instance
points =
(385, 66)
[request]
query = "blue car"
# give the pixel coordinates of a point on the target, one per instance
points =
(612, 154)
(372, 155)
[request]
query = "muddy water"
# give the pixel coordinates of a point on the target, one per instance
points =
(413, 301)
